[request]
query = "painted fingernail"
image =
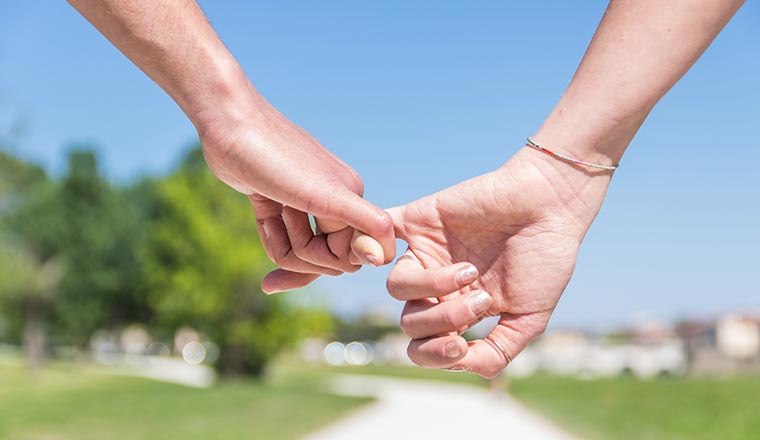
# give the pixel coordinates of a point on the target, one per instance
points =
(467, 275)
(452, 350)
(479, 302)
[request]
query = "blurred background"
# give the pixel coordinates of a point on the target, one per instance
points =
(129, 276)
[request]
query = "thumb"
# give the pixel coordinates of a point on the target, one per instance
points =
(353, 210)
(366, 250)
(487, 357)
(397, 215)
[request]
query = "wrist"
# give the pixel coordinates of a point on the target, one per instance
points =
(598, 137)
(227, 98)
(598, 133)
(563, 189)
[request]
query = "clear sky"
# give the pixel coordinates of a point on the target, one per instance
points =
(417, 96)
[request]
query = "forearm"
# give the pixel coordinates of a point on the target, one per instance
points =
(640, 50)
(173, 43)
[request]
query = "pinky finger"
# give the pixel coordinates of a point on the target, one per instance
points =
(281, 280)
(437, 352)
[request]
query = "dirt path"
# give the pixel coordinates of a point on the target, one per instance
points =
(409, 409)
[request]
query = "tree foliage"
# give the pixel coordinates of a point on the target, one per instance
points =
(29, 287)
(18, 179)
(167, 253)
(204, 263)
(86, 223)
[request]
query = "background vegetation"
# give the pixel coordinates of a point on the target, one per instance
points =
(79, 254)
(76, 403)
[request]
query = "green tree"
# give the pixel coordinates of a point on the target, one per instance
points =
(18, 179)
(204, 264)
(86, 223)
(29, 287)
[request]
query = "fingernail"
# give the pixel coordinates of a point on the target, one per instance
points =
(266, 230)
(480, 302)
(371, 258)
(271, 291)
(457, 369)
(467, 275)
(452, 350)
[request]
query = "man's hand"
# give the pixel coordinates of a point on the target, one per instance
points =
(248, 144)
(286, 174)
(502, 244)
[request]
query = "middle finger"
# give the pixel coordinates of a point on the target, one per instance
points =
(425, 318)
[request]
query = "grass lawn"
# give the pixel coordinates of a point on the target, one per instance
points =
(67, 402)
(621, 408)
(294, 372)
(626, 408)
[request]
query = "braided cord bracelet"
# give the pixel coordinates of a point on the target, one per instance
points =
(561, 156)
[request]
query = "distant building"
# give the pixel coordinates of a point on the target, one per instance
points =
(738, 336)
(572, 353)
(729, 345)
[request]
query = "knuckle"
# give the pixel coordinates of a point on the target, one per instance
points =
(278, 259)
(450, 319)
(438, 284)
(309, 204)
(407, 324)
(538, 330)
(300, 252)
(287, 262)
(351, 268)
(318, 198)
(393, 286)
(355, 183)
(384, 222)
(296, 250)
(413, 352)
(490, 372)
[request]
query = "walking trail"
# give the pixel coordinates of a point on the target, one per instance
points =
(410, 409)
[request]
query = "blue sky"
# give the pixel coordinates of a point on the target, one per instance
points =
(417, 98)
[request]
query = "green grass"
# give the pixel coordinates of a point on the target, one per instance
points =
(620, 408)
(68, 402)
(626, 408)
(292, 371)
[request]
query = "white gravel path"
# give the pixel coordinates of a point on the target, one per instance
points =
(410, 409)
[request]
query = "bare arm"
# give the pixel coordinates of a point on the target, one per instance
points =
(640, 50)
(247, 143)
(173, 43)
(521, 226)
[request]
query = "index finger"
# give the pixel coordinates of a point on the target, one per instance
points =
(350, 208)
(409, 280)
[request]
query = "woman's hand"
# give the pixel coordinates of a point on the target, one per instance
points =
(502, 244)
